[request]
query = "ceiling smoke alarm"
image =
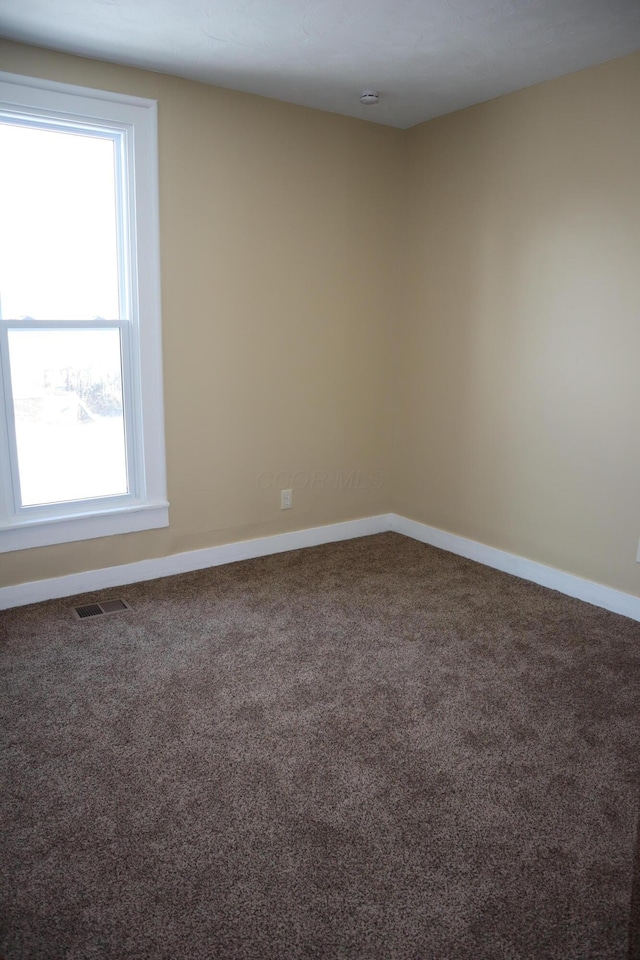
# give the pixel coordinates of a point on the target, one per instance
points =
(368, 97)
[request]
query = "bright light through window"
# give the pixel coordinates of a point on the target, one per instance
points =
(58, 243)
(59, 262)
(67, 398)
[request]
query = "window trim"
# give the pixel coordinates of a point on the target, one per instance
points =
(149, 508)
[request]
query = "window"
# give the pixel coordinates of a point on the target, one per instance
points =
(81, 426)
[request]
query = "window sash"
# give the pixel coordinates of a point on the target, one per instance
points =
(126, 325)
(11, 479)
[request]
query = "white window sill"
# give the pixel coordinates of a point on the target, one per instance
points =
(88, 526)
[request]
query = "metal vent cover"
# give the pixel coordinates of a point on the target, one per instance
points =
(87, 610)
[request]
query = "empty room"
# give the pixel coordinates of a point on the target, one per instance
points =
(319, 480)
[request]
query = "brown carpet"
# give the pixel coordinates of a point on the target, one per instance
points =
(371, 749)
(634, 907)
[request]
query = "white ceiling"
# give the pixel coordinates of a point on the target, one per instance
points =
(425, 57)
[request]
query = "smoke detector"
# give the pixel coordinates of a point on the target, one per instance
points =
(367, 97)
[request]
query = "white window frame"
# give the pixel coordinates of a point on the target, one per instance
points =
(145, 507)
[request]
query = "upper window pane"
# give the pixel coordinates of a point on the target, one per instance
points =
(58, 242)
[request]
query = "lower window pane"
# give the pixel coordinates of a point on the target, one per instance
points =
(67, 397)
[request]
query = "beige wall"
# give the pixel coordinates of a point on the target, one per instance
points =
(476, 277)
(276, 229)
(518, 380)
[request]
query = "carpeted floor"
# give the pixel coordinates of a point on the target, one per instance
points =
(371, 749)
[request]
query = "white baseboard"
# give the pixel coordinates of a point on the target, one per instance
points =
(567, 583)
(67, 586)
(606, 597)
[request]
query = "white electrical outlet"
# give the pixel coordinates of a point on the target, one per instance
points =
(638, 554)
(286, 499)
